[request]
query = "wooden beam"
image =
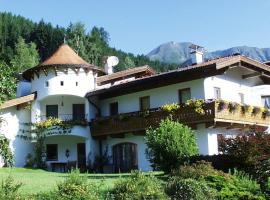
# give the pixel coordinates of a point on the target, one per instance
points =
(121, 135)
(36, 73)
(251, 75)
(45, 72)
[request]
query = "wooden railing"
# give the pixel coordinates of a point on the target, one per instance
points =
(139, 121)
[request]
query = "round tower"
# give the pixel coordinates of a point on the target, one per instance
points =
(64, 73)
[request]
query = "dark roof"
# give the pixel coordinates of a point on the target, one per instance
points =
(202, 70)
(133, 72)
(64, 57)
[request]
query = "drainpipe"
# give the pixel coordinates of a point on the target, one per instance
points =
(93, 104)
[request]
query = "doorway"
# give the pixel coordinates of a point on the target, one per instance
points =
(125, 157)
(81, 155)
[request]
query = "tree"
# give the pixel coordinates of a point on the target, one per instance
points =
(129, 63)
(170, 145)
(7, 83)
(26, 56)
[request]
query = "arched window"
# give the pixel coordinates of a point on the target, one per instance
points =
(125, 157)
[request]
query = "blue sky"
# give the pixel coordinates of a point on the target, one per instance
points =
(138, 26)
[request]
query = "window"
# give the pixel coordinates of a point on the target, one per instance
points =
(47, 83)
(52, 111)
(62, 83)
(266, 101)
(114, 108)
(145, 103)
(76, 83)
(52, 152)
(78, 112)
(242, 98)
(217, 93)
(184, 95)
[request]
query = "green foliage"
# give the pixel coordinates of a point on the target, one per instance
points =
(170, 107)
(251, 148)
(7, 83)
(198, 170)
(170, 145)
(76, 187)
(137, 187)
(92, 46)
(234, 186)
(29, 161)
(197, 105)
(186, 189)
(5, 151)
(25, 57)
(9, 189)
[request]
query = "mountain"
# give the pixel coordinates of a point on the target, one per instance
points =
(174, 52)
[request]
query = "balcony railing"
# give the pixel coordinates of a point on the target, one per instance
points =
(139, 121)
(65, 117)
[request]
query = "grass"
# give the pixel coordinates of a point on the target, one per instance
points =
(35, 180)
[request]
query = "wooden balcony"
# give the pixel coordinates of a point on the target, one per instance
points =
(137, 122)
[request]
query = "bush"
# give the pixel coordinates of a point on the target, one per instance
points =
(76, 187)
(198, 170)
(222, 162)
(137, 187)
(186, 189)
(5, 151)
(251, 150)
(29, 161)
(238, 185)
(170, 145)
(9, 189)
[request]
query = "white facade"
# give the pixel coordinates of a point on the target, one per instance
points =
(69, 87)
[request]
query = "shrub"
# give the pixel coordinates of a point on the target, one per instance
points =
(137, 187)
(9, 189)
(76, 187)
(222, 162)
(29, 161)
(170, 145)
(5, 151)
(238, 185)
(251, 149)
(198, 170)
(186, 189)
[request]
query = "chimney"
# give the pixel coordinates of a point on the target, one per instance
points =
(196, 53)
(110, 63)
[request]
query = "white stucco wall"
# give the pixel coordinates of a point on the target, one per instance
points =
(65, 142)
(231, 84)
(207, 138)
(158, 97)
(63, 109)
(143, 163)
(11, 127)
(23, 88)
(85, 83)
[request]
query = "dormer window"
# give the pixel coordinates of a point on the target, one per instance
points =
(47, 84)
(62, 83)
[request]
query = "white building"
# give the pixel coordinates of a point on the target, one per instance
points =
(67, 87)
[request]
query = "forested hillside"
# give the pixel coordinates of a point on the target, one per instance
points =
(24, 43)
(92, 46)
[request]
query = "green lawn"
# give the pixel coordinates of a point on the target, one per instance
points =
(35, 180)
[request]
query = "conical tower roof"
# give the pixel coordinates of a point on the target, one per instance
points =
(64, 57)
